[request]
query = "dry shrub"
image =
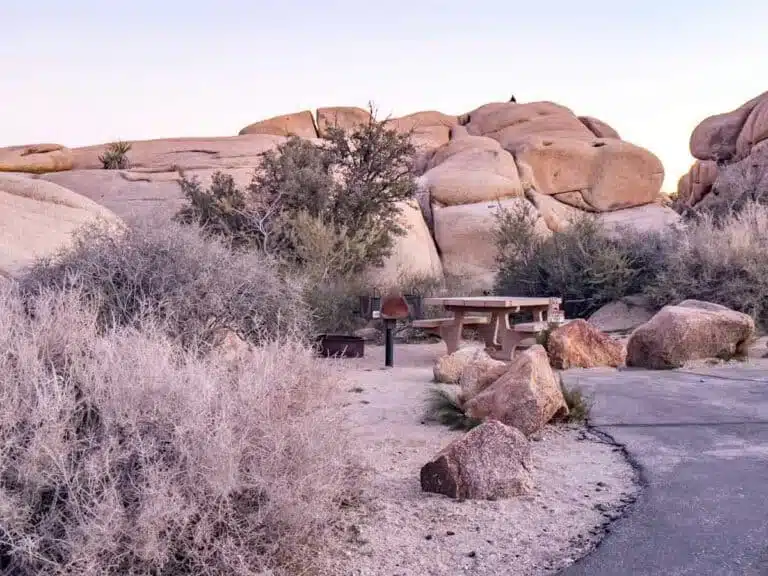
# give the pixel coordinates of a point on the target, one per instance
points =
(122, 453)
(584, 265)
(719, 259)
(193, 285)
(737, 186)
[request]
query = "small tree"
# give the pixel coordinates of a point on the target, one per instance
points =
(351, 183)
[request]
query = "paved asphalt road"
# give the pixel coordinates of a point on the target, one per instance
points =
(701, 444)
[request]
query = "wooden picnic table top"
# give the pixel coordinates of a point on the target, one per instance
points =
(474, 302)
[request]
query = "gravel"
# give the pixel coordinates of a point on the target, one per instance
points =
(582, 483)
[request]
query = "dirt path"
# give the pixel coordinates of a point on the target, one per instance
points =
(582, 482)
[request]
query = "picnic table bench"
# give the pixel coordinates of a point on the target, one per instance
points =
(501, 338)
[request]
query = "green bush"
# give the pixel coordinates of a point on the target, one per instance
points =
(583, 265)
(116, 156)
(351, 183)
(190, 284)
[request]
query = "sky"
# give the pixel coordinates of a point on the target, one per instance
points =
(79, 72)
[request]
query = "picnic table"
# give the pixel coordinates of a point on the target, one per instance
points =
(501, 337)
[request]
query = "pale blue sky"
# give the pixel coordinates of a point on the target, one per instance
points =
(80, 72)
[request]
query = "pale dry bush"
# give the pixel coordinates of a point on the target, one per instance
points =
(721, 259)
(193, 284)
(123, 453)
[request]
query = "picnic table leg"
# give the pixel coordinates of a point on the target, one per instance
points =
(538, 315)
(490, 331)
(451, 333)
(509, 339)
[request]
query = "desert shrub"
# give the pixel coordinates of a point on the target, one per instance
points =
(444, 407)
(115, 157)
(579, 404)
(122, 453)
(721, 260)
(192, 285)
(584, 265)
(737, 186)
(351, 183)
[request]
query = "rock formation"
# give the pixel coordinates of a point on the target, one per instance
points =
(728, 146)
(537, 156)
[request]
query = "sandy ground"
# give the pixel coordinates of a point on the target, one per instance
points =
(582, 483)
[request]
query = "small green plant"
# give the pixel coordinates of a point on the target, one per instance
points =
(116, 156)
(579, 405)
(444, 407)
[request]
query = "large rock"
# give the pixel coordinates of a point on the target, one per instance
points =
(599, 128)
(36, 158)
(132, 194)
(491, 461)
(557, 215)
(527, 396)
(345, 117)
(717, 137)
(172, 154)
(37, 219)
(301, 124)
(510, 122)
(608, 174)
(449, 368)
(413, 255)
(428, 129)
(697, 182)
(755, 129)
(692, 330)
(651, 218)
(465, 238)
(471, 169)
(622, 315)
(579, 344)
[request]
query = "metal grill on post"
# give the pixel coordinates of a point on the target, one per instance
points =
(393, 308)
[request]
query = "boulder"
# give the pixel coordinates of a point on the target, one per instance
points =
(608, 174)
(697, 183)
(755, 128)
(301, 124)
(37, 219)
(429, 129)
(716, 137)
(579, 344)
(132, 194)
(651, 218)
(527, 396)
(465, 238)
(490, 462)
(692, 330)
(449, 368)
(413, 255)
(557, 215)
(36, 158)
(477, 375)
(345, 117)
(172, 154)
(471, 169)
(622, 315)
(496, 117)
(599, 128)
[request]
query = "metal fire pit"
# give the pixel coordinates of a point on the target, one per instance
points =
(341, 346)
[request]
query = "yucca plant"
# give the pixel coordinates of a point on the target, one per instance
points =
(116, 156)
(444, 407)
